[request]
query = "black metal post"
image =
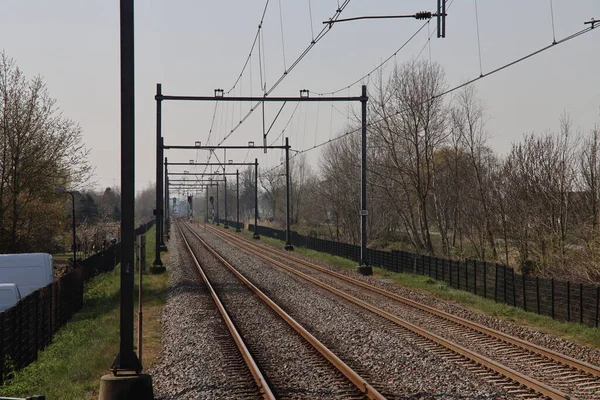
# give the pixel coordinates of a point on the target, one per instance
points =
(288, 231)
(206, 205)
(256, 235)
(218, 203)
(364, 268)
(166, 203)
(74, 231)
(157, 261)
(162, 188)
(237, 203)
(226, 224)
(127, 360)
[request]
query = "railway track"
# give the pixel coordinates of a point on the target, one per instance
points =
(332, 378)
(523, 368)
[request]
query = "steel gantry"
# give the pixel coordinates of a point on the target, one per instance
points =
(304, 97)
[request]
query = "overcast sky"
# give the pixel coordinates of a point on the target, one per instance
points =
(194, 46)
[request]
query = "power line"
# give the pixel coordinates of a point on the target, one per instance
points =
(564, 40)
(384, 62)
(319, 36)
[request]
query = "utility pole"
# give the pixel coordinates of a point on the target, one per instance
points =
(226, 225)
(206, 205)
(218, 203)
(115, 386)
(157, 265)
(256, 235)
(166, 203)
(288, 233)
(364, 268)
(237, 181)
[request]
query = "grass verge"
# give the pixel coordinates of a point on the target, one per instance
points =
(577, 333)
(84, 349)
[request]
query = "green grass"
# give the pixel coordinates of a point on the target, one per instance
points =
(578, 333)
(84, 349)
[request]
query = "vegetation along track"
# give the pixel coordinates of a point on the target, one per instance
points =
(542, 370)
(334, 379)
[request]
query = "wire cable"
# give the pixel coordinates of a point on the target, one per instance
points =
(455, 88)
(552, 17)
(320, 36)
(262, 18)
(393, 55)
(478, 41)
(282, 37)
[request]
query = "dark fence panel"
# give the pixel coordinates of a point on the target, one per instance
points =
(29, 326)
(561, 300)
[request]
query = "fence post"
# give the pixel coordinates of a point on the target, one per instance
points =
(505, 300)
(485, 279)
(581, 303)
(552, 295)
(450, 271)
(524, 292)
(436, 269)
(2, 347)
(568, 301)
(537, 292)
(414, 264)
(597, 303)
(458, 274)
(514, 288)
(143, 252)
(443, 271)
(466, 274)
(496, 282)
(475, 276)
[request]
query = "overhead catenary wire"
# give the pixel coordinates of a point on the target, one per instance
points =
(552, 18)
(451, 90)
(383, 63)
(320, 36)
(478, 39)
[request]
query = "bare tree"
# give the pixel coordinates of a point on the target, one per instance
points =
(41, 149)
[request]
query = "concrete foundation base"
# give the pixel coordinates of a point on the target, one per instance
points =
(255, 236)
(288, 247)
(365, 270)
(126, 387)
(238, 230)
(163, 247)
(226, 227)
(157, 269)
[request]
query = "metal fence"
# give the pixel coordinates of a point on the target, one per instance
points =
(561, 300)
(232, 224)
(29, 326)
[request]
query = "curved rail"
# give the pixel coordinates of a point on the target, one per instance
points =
(348, 372)
(516, 376)
(252, 366)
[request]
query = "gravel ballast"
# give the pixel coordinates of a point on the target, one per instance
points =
(199, 359)
(393, 362)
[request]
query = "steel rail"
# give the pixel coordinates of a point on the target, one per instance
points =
(252, 366)
(348, 372)
(551, 354)
(516, 376)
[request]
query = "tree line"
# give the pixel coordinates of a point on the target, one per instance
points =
(436, 186)
(40, 149)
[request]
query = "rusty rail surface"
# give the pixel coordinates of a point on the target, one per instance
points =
(516, 376)
(252, 366)
(340, 365)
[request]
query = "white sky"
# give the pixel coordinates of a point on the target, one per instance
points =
(193, 47)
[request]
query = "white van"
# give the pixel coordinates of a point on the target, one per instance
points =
(29, 271)
(9, 295)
